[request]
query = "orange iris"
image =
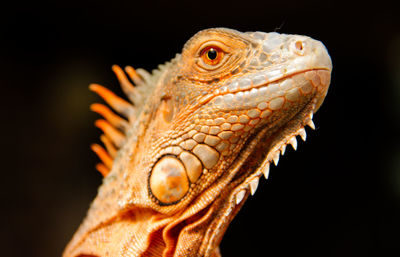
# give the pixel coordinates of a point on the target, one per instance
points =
(212, 55)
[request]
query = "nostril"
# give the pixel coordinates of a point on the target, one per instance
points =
(299, 45)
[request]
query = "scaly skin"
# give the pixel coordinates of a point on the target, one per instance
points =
(202, 132)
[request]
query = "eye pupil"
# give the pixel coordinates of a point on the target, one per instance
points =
(212, 54)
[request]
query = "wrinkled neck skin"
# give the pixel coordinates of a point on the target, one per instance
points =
(202, 141)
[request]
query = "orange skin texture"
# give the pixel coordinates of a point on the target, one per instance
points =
(194, 138)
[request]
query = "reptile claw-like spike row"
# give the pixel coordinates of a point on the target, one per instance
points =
(114, 124)
(293, 142)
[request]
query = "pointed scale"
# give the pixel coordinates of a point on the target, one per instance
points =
(113, 134)
(102, 169)
(115, 120)
(133, 75)
(120, 105)
(126, 85)
(112, 151)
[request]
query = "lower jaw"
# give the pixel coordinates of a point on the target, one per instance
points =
(268, 144)
(258, 157)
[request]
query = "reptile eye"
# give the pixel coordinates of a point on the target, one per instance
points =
(212, 55)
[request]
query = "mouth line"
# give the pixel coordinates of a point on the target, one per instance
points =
(285, 76)
(224, 90)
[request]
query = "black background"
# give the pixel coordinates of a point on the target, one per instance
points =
(338, 195)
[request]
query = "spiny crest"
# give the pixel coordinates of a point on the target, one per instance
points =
(114, 126)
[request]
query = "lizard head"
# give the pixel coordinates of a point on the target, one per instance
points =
(215, 118)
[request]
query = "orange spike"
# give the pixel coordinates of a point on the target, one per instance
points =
(126, 86)
(112, 118)
(102, 169)
(109, 146)
(119, 104)
(116, 136)
(133, 75)
(103, 155)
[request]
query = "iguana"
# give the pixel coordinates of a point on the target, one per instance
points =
(197, 134)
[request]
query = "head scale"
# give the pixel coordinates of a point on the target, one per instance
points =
(219, 113)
